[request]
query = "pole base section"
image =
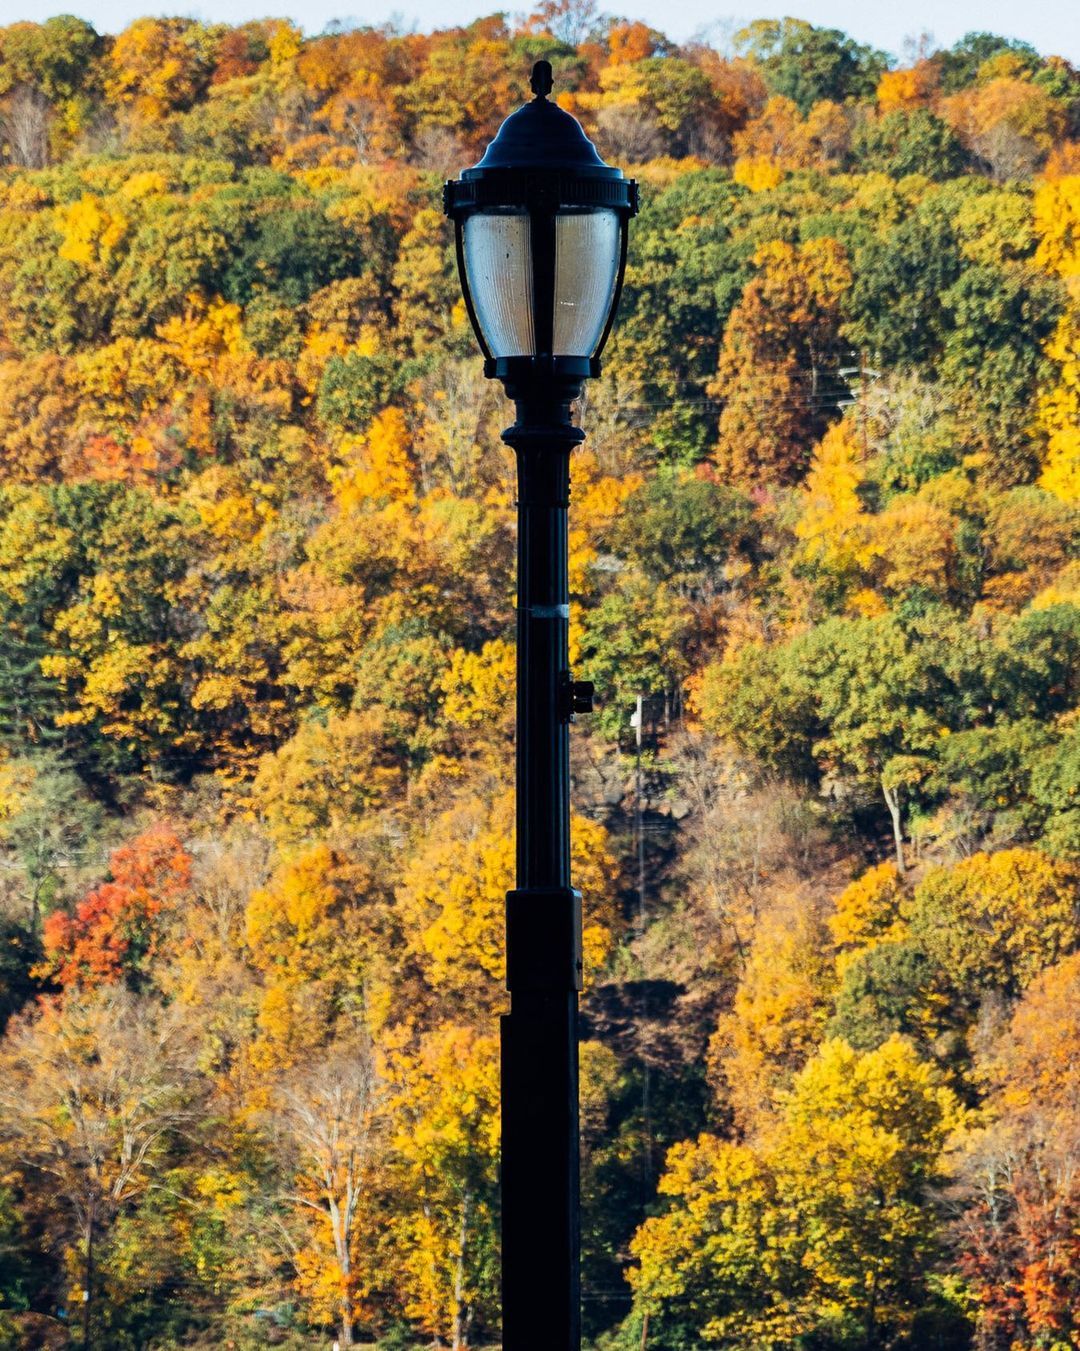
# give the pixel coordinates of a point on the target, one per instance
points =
(540, 1173)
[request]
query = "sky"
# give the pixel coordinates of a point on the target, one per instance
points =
(1051, 26)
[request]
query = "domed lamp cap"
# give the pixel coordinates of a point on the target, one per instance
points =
(540, 135)
(541, 144)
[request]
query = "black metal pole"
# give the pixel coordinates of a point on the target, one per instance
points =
(540, 1169)
(541, 166)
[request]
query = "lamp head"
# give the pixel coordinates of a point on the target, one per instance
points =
(541, 224)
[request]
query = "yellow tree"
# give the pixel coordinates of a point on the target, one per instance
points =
(313, 932)
(868, 911)
(912, 87)
(328, 1124)
(326, 778)
(205, 967)
(445, 1095)
(90, 232)
(712, 1267)
(386, 589)
(825, 1223)
(776, 361)
(157, 65)
(913, 547)
(37, 415)
(92, 1091)
(779, 1011)
(348, 73)
(1057, 224)
(599, 499)
(378, 466)
(233, 659)
(855, 1159)
(126, 389)
(424, 281)
(112, 644)
(994, 921)
(779, 140)
(478, 710)
(834, 525)
(451, 900)
(1010, 123)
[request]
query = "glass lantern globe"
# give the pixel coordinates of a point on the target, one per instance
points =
(541, 225)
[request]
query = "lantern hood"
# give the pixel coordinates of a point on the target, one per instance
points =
(540, 135)
(540, 158)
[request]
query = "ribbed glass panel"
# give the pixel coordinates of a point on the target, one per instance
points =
(587, 245)
(498, 265)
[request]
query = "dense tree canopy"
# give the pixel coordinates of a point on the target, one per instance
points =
(256, 692)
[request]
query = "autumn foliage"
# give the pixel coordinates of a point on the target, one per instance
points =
(257, 656)
(114, 932)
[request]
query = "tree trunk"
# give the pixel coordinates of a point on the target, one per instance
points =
(458, 1335)
(892, 801)
(88, 1287)
(341, 1241)
(871, 1314)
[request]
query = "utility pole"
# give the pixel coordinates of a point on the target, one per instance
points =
(637, 722)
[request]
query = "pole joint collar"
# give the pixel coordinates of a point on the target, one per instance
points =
(543, 939)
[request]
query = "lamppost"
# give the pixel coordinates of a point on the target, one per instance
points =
(541, 224)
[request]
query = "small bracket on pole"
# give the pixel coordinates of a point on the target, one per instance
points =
(578, 696)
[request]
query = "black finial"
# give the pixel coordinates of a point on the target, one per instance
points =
(541, 79)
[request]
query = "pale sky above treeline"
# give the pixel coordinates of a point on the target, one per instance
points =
(1051, 26)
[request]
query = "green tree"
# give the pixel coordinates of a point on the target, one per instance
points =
(999, 320)
(683, 277)
(866, 706)
(1055, 787)
(682, 528)
(50, 827)
(291, 250)
(908, 142)
(984, 780)
(634, 642)
(808, 64)
(861, 704)
(56, 55)
(20, 952)
(960, 65)
(891, 989)
(93, 1093)
(893, 308)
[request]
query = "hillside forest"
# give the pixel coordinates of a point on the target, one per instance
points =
(256, 666)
